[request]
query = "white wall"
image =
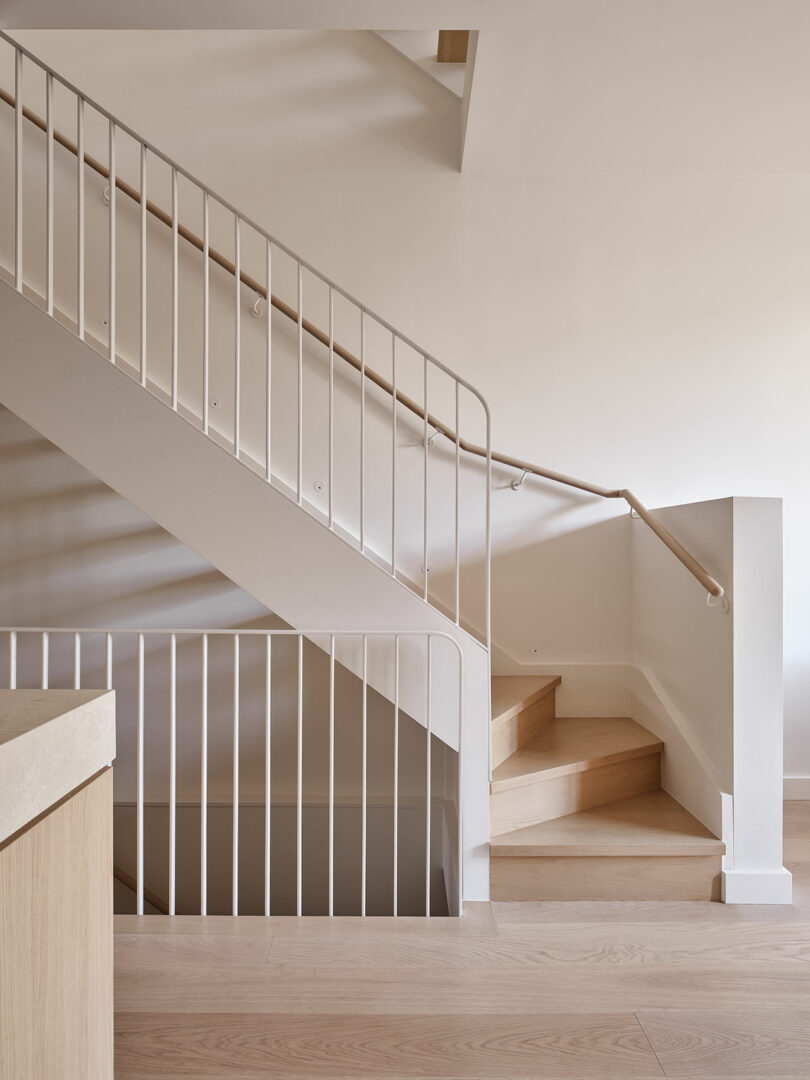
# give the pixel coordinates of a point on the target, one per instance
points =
(627, 290)
(682, 644)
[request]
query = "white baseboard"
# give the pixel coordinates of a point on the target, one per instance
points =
(757, 887)
(797, 787)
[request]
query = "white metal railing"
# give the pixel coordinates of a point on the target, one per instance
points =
(446, 398)
(45, 657)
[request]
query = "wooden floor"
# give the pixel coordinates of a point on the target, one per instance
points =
(625, 990)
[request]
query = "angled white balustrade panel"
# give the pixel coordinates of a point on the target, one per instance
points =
(236, 521)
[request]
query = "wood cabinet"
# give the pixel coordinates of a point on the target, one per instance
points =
(56, 939)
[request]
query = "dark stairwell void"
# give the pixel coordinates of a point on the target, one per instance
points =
(315, 812)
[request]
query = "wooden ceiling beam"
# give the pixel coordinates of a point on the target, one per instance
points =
(453, 46)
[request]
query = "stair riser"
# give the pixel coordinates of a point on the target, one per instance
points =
(606, 878)
(509, 735)
(547, 799)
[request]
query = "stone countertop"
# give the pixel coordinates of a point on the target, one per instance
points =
(51, 741)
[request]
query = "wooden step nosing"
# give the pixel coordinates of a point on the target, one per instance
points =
(571, 768)
(629, 850)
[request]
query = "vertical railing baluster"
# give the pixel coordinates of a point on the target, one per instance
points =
(428, 779)
(460, 783)
(488, 572)
(331, 407)
(204, 778)
(77, 661)
(172, 771)
(235, 883)
(139, 784)
(299, 817)
(45, 660)
(175, 290)
(80, 212)
(268, 450)
(362, 430)
(332, 775)
(18, 170)
(206, 312)
(396, 774)
(237, 340)
(109, 660)
(49, 193)
(143, 209)
(300, 461)
(425, 505)
(458, 511)
(268, 744)
(111, 267)
(12, 660)
(393, 455)
(364, 783)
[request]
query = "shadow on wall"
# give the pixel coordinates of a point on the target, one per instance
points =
(73, 552)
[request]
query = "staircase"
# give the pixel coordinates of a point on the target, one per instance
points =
(304, 469)
(577, 811)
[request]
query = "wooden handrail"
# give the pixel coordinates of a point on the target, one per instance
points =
(130, 883)
(250, 282)
(713, 587)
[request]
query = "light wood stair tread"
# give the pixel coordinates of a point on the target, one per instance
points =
(574, 744)
(649, 824)
(511, 694)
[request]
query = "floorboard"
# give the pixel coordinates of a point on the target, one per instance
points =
(767, 1043)
(537, 991)
(304, 1046)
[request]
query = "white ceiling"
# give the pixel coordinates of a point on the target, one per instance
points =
(257, 14)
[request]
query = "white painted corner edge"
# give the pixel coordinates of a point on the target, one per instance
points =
(757, 887)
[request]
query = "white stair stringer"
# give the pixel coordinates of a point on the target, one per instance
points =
(222, 510)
